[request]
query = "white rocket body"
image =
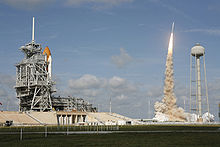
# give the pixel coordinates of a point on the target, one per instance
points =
(50, 66)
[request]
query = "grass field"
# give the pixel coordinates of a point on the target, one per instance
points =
(134, 139)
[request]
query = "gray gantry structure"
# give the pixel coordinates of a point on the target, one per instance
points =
(34, 85)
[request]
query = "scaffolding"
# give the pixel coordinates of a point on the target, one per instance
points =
(72, 104)
(33, 85)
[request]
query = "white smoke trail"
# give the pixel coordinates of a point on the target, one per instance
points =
(167, 110)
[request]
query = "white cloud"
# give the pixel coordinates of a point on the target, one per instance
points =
(206, 31)
(90, 86)
(123, 59)
(128, 95)
(97, 4)
(121, 97)
(125, 94)
(85, 82)
(121, 88)
(116, 82)
(85, 86)
(38, 4)
(27, 4)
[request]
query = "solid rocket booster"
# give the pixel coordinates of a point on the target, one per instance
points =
(49, 60)
(50, 66)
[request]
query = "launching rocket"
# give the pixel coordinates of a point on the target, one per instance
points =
(170, 47)
(167, 110)
(48, 58)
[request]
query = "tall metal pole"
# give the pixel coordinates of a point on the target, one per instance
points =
(184, 102)
(33, 30)
(149, 108)
(196, 77)
(45, 131)
(21, 134)
(110, 105)
(190, 86)
(199, 86)
(206, 87)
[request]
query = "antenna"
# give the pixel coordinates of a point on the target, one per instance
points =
(33, 30)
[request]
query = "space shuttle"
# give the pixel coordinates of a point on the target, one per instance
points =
(48, 59)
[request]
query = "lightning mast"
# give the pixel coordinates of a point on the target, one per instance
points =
(33, 31)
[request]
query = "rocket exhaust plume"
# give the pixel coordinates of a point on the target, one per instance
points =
(167, 110)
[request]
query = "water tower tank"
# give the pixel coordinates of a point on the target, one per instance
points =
(197, 50)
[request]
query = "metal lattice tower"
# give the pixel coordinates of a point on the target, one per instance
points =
(33, 81)
(197, 52)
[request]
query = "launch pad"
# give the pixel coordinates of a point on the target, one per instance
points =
(38, 105)
(35, 88)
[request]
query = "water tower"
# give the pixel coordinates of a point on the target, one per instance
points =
(196, 82)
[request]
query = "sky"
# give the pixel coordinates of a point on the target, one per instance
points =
(116, 49)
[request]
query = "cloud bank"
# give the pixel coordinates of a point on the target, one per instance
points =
(38, 4)
(206, 31)
(92, 86)
(27, 4)
(7, 93)
(102, 2)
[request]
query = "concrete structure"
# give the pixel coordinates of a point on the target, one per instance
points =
(65, 118)
(70, 118)
(197, 52)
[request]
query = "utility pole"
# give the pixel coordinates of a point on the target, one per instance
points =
(149, 108)
(110, 105)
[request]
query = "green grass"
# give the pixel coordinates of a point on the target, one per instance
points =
(159, 127)
(175, 139)
(154, 127)
(114, 140)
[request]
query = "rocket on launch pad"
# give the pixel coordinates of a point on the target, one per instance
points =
(48, 58)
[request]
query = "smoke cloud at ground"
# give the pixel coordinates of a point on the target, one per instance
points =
(167, 109)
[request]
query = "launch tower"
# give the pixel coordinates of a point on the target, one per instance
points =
(34, 85)
(33, 79)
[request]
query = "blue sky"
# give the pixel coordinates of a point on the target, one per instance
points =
(112, 48)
